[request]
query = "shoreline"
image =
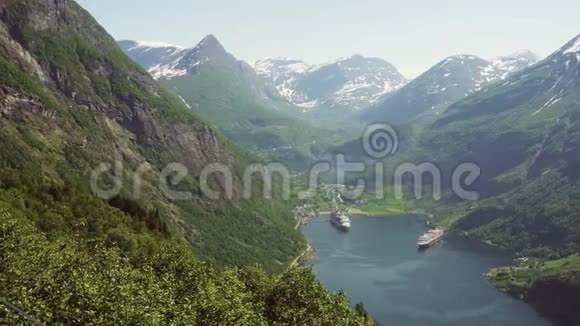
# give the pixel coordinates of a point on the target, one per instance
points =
(308, 254)
(356, 211)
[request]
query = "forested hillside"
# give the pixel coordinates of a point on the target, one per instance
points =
(523, 134)
(71, 100)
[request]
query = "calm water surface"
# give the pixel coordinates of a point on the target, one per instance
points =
(377, 263)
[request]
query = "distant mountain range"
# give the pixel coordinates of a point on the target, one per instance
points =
(229, 94)
(165, 62)
(349, 84)
(276, 107)
(444, 84)
(371, 86)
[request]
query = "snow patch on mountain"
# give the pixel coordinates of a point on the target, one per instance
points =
(274, 67)
(166, 71)
(163, 60)
(573, 47)
(155, 45)
(507, 65)
(353, 83)
(484, 71)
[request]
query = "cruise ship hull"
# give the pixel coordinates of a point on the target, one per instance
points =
(341, 226)
(425, 246)
(340, 220)
(430, 238)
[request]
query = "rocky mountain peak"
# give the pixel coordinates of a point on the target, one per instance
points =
(280, 69)
(507, 65)
(210, 40)
(570, 48)
(447, 82)
(524, 54)
(169, 61)
(210, 43)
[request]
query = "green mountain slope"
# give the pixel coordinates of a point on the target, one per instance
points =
(553, 287)
(454, 78)
(524, 134)
(231, 96)
(225, 102)
(69, 100)
(89, 103)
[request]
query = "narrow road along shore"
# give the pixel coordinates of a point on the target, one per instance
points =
(308, 251)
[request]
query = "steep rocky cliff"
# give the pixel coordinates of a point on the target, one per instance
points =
(71, 100)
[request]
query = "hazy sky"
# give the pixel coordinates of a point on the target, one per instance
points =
(411, 34)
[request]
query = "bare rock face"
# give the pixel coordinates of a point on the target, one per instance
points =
(118, 88)
(83, 70)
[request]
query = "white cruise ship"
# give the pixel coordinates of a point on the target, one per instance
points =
(340, 220)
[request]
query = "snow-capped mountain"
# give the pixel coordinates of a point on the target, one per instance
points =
(507, 65)
(168, 61)
(282, 74)
(152, 55)
(524, 135)
(532, 116)
(446, 83)
(352, 83)
(570, 49)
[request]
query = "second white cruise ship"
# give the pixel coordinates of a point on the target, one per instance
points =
(340, 220)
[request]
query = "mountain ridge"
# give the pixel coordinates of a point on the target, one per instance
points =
(230, 95)
(445, 83)
(346, 84)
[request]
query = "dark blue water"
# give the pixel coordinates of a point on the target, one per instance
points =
(377, 263)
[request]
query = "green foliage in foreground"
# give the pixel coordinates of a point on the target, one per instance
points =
(91, 276)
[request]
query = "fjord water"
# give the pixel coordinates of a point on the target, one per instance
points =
(377, 263)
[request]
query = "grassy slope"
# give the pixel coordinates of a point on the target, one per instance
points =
(523, 277)
(552, 287)
(385, 206)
